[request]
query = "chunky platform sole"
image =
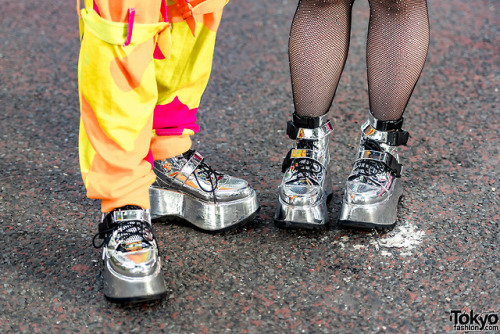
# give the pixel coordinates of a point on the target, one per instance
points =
(207, 216)
(382, 215)
(123, 289)
(312, 217)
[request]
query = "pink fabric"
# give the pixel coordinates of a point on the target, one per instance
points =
(158, 54)
(130, 28)
(164, 10)
(149, 158)
(97, 9)
(169, 132)
(171, 119)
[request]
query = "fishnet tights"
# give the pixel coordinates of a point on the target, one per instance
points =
(398, 39)
(318, 45)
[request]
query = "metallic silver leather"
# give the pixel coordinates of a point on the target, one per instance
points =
(129, 215)
(371, 202)
(205, 215)
(393, 137)
(195, 198)
(363, 210)
(386, 158)
(384, 125)
(132, 275)
(316, 133)
(187, 169)
(302, 201)
(312, 213)
(370, 131)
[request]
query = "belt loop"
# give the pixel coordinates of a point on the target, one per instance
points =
(164, 10)
(131, 16)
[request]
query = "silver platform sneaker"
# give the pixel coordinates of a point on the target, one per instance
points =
(306, 185)
(373, 190)
(186, 187)
(132, 269)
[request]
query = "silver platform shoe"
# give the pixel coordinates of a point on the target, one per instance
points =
(132, 269)
(373, 190)
(306, 185)
(186, 187)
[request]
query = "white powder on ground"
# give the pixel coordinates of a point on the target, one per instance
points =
(404, 237)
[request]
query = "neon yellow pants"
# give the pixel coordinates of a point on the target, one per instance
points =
(143, 67)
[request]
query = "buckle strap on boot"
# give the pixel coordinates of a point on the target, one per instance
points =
(387, 132)
(385, 125)
(111, 220)
(131, 215)
(384, 157)
(308, 122)
(309, 128)
(106, 226)
(188, 169)
(317, 133)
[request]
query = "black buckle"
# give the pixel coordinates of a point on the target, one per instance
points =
(291, 130)
(397, 138)
(394, 165)
(383, 157)
(107, 225)
(306, 121)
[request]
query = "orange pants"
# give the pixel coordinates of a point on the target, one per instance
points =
(143, 67)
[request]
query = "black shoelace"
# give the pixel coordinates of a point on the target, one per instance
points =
(369, 169)
(127, 230)
(209, 173)
(306, 168)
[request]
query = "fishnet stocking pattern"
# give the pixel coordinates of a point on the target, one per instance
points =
(398, 39)
(317, 49)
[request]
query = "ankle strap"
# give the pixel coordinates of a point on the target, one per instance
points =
(129, 215)
(393, 137)
(385, 125)
(111, 220)
(308, 122)
(189, 168)
(295, 132)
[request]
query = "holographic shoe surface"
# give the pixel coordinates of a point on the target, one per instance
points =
(132, 268)
(373, 189)
(306, 185)
(188, 188)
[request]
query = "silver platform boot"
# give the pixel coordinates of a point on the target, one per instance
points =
(186, 187)
(373, 190)
(306, 185)
(132, 269)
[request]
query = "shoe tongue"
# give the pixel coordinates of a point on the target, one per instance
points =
(135, 240)
(306, 144)
(366, 170)
(133, 229)
(372, 145)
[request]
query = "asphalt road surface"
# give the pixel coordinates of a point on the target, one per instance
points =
(439, 264)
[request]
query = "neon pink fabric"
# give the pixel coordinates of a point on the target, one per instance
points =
(171, 119)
